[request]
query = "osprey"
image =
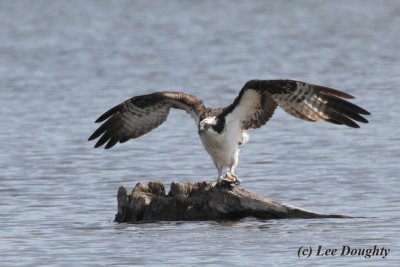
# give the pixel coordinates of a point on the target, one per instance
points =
(223, 130)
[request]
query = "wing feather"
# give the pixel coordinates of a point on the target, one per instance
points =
(258, 99)
(252, 108)
(141, 114)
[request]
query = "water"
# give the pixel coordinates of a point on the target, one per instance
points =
(63, 63)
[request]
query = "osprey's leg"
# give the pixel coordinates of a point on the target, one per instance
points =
(220, 169)
(228, 179)
(230, 175)
(235, 163)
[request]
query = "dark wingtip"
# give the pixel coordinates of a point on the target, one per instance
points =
(97, 145)
(108, 113)
(352, 124)
(364, 120)
(362, 111)
(92, 137)
(111, 142)
(103, 117)
(365, 112)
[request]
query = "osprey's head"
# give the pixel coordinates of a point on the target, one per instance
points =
(207, 124)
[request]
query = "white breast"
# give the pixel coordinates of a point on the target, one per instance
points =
(222, 147)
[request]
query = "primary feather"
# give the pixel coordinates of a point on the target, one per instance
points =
(222, 130)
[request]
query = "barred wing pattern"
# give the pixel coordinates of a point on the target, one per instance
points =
(141, 114)
(258, 99)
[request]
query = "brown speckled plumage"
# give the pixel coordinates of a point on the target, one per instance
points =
(141, 114)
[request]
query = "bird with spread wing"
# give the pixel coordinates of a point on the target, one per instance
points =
(223, 130)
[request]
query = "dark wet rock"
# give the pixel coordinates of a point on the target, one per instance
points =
(201, 201)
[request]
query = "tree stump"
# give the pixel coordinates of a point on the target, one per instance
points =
(201, 201)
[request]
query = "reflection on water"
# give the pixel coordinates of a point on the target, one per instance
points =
(63, 64)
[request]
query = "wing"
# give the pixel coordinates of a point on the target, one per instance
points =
(141, 114)
(258, 99)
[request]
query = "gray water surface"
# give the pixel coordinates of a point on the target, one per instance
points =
(63, 63)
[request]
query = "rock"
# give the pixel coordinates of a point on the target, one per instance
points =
(201, 201)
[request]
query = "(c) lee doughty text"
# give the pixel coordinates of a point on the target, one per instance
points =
(321, 251)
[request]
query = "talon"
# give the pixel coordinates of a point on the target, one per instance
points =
(229, 179)
(226, 180)
(238, 181)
